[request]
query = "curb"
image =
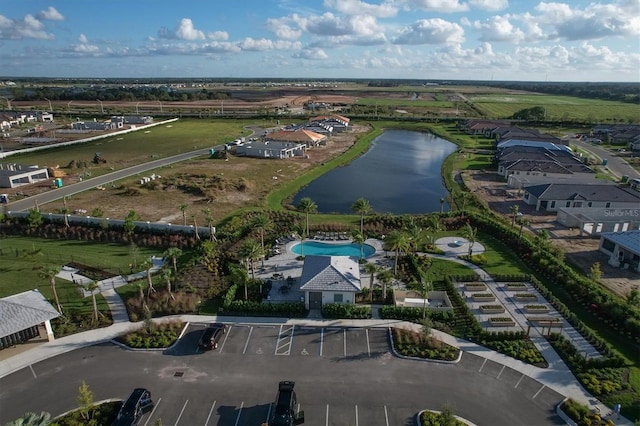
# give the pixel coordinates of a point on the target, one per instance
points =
(562, 415)
(95, 404)
(462, 419)
(129, 348)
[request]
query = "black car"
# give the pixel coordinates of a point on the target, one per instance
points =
(286, 411)
(212, 336)
(132, 410)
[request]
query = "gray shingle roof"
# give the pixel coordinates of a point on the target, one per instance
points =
(24, 310)
(330, 273)
(588, 192)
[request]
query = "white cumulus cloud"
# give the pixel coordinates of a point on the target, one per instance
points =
(50, 14)
(490, 5)
(431, 31)
(184, 31)
(498, 28)
(444, 6)
(357, 7)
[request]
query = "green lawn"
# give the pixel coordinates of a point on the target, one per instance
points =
(22, 259)
(139, 147)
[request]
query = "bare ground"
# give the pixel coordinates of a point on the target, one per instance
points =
(580, 250)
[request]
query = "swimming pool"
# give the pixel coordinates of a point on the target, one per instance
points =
(325, 249)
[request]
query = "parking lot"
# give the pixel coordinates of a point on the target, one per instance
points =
(289, 340)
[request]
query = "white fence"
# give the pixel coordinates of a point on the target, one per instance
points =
(156, 227)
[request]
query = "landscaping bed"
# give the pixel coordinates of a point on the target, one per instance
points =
(98, 415)
(502, 322)
(414, 344)
(523, 297)
(94, 274)
(516, 286)
(514, 344)
(483, 297)
(475, 287)
(492, 309)
(536, 309)
(153, 336)
(346, 311)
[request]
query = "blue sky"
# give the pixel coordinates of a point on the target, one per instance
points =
(424, 39)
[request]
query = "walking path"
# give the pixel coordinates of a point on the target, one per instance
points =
(557, 376)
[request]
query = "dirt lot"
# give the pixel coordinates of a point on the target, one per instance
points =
(581, 250)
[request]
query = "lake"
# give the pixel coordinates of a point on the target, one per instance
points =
(400, 173)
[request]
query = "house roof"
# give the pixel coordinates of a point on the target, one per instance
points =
(536, 143)
(330, 273)
(629, 240)
(305, 136)
(587, 192)
(24, 310)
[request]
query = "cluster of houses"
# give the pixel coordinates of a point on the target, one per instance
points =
(625, 135)
(552, 178)
(295, 139)
(114, 123)
(13, 119)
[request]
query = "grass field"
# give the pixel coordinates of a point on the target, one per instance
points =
(22, 259)
(139, 147)
(558, 107)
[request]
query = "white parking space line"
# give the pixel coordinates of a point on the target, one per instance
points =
(386, 415)
(366, 331)
(269, 413)
(210, 413)
(247, 342)
(239, 414)
(534, 396)
(327, 416)
(33, 372)
(357, 415)
(181, 411)
(344, 341)
(521, 377)
(501, 370)
(198, 342)
(226, 336)
(285, 340)
(155, 406)
(482, 366)
(321, 339)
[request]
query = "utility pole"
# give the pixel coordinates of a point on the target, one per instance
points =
(101, 106)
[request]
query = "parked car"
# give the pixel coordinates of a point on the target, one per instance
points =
(286, 411)
(211, 336)
(138, 404)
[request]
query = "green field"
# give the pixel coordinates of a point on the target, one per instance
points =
(558, 107)
(23, 258)
(139, 147)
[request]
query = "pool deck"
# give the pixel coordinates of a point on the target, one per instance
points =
(285, 264)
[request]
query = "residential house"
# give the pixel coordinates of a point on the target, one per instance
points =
(24, 316)
(14, 175)
(329, 279)
(93, 125)
(553, 196)
(271, 149)
(623, 249)
(310, 139)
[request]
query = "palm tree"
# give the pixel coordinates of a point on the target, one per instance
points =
(372, 269)
(32, 419)
(252, 251)
(543, 238)
(208, 217)
(92, 286)
(470, 234)
(514, 213)
(138, 285)
(148, 264)
(174, 253)
(397, 241)
(166, 276)
(262, 223)
(464, 195)
(415, 234)
(50, 274)
(425, 287)
(306, 206)
(433, 226)
(361, 206)
(300, 230)
(385, 276)
(522, 221)
(183, 209)
(442, 200)
(358, 238)
(240, 276)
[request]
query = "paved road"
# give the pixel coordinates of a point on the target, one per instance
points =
(617, 165)
(344, 376)
(75, 188)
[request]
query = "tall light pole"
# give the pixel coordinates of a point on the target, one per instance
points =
(160, 102)
(101, 106)
(137, 112)
(68, 106)
(50, 106)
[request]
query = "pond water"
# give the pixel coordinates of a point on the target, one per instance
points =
(400, 173)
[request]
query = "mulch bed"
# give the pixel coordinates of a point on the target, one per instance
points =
(95, 274)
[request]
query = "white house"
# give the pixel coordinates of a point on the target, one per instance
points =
(329, 279)
(553, 196)
(271, 149)
(14, 175)
(623, 249)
